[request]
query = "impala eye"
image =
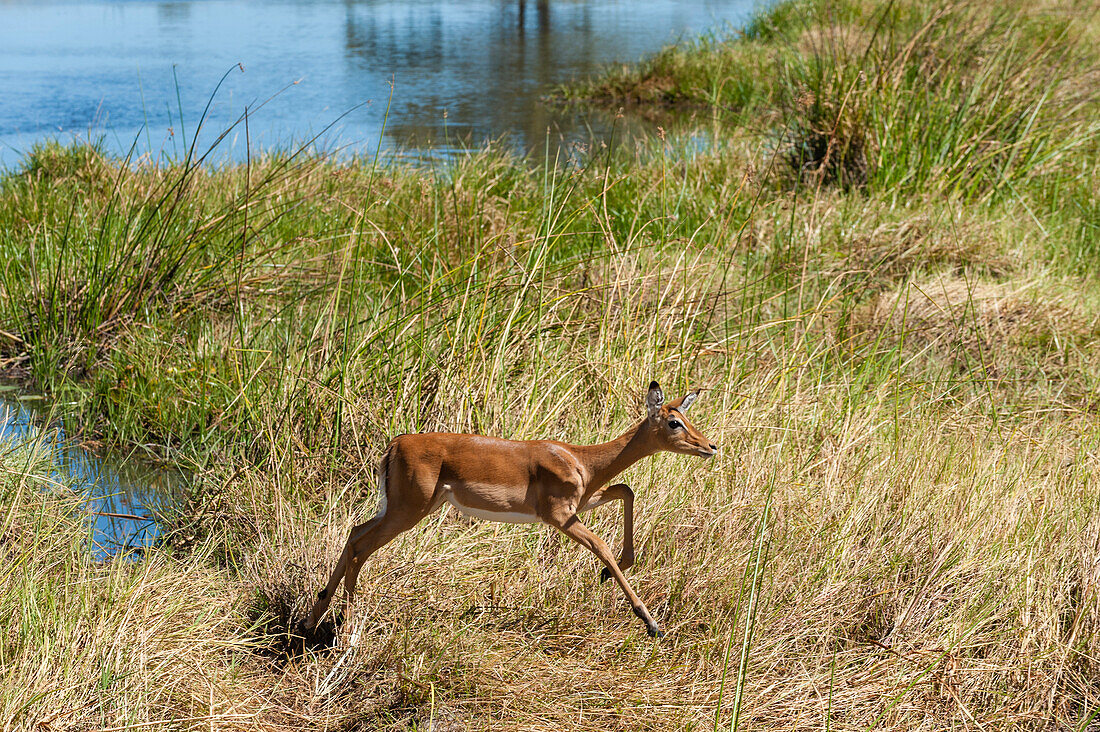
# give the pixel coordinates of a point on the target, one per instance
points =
(675, 424)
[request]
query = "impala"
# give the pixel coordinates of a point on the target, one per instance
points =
(517, 482)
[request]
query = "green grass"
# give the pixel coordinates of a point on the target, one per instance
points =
(881, 270)
(962, 100)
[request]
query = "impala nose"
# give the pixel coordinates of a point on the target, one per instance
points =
(713, 447)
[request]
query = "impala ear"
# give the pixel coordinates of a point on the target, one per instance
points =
(686, 401)
(681, 405)
(654, 399)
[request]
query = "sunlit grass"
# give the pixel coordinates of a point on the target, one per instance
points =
(899, 351)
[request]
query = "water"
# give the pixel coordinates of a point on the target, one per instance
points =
(122, 494)
(462, 71)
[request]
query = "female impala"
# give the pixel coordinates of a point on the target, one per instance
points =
(517, 482)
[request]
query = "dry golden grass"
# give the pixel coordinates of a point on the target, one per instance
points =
(118, 645)
(923, 563)
(926, 569)
(901, 530)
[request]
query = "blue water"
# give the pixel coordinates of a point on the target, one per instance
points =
(122, 494)
(462, 72)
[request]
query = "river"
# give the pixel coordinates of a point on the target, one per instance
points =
(121, 493)
(138, 73)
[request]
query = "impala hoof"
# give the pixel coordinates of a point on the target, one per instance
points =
(605, 575)
(322, 593)
(650, 625)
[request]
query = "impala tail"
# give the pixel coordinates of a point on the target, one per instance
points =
(382, 473)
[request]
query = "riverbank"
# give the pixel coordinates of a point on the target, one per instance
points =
(880, 270)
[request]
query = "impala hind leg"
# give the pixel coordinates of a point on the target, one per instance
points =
(578, 532)
(363, 541)
(324, 597)
(622, 492)
(373, 539)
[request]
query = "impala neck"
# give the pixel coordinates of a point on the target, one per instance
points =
(608, 459)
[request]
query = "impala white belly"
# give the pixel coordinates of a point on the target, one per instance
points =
(505, 517)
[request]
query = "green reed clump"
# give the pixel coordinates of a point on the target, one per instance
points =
(964, 100)
(130, 245)
(703, 72)
(967, 101)
(65, 164)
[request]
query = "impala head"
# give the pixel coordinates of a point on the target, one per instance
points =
(669, 425)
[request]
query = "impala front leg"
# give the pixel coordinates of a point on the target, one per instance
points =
(578, 532)
(622, 492)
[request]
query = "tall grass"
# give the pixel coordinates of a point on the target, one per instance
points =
(107, 645)
(900, 354)
(965, 100)
(962, 100)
